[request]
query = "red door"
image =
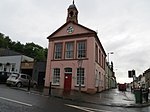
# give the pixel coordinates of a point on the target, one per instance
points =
(67, 82)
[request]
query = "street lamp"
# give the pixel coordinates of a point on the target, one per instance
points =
(80, 66)
(109, 69)
(108, 56)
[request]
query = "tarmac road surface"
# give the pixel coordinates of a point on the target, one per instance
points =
(12, 100)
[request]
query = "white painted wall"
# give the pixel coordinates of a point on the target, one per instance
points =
(13, 60)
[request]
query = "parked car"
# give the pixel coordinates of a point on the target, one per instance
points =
(20, 80)
(4, 76)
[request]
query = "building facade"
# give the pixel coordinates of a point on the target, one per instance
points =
(39, 72)
(147, 77)
(76, 58)
(110, 79)
(141, 82)
(11, 61)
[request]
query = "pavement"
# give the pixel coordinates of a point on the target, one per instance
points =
(111, 97)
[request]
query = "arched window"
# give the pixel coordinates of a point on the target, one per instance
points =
(71, 14)
(68, 70)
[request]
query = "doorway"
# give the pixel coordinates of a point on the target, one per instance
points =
(67, 79)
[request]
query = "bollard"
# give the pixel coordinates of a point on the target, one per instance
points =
(50, 87)
(29, 85)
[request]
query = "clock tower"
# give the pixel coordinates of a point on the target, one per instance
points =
(70, 43)
(72, 13)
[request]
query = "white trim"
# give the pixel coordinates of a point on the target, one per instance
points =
(53, 76)
(76, 78)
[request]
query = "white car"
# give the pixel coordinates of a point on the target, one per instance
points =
(19, 80)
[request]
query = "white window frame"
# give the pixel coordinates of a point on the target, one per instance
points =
(81, 49)
(58, 50)
(56, 76)
(82, 77)
(69, 50)
(96, 79)
(68, 70)
(13, 67)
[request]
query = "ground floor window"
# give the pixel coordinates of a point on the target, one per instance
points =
(56, 76)
(80, 76)
(96, 79)
(13, 68)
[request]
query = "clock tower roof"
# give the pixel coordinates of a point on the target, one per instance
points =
(72, 13)
(72, 5)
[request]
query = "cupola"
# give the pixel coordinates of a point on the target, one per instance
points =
(72, 13)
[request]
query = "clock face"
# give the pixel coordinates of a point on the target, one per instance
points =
(70, 29)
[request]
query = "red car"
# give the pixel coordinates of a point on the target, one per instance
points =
(122, 87)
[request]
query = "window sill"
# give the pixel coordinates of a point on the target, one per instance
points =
(83, 86)
(55, 84)
(68, 59)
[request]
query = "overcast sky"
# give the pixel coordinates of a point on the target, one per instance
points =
(123, 27)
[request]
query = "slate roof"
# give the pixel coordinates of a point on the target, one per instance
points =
(8, 52)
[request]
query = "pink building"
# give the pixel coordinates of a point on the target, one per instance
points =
(69, 44)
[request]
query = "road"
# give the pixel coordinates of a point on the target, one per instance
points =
(12, 100)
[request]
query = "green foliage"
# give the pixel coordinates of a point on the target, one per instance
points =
(29, 49)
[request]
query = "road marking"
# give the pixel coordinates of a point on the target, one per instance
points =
(78, 107)
(15, 101)
(86, 108)
(97, 109)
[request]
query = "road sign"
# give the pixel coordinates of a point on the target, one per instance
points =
(131, 73)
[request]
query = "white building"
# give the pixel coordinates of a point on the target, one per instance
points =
(10, 61)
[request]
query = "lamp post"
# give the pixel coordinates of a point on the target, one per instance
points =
(109, 69)
(108, 56)
(80, 66)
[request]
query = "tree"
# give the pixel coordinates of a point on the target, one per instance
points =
(35, 51)
(1, 40)
(29, 49)
(18, 47)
